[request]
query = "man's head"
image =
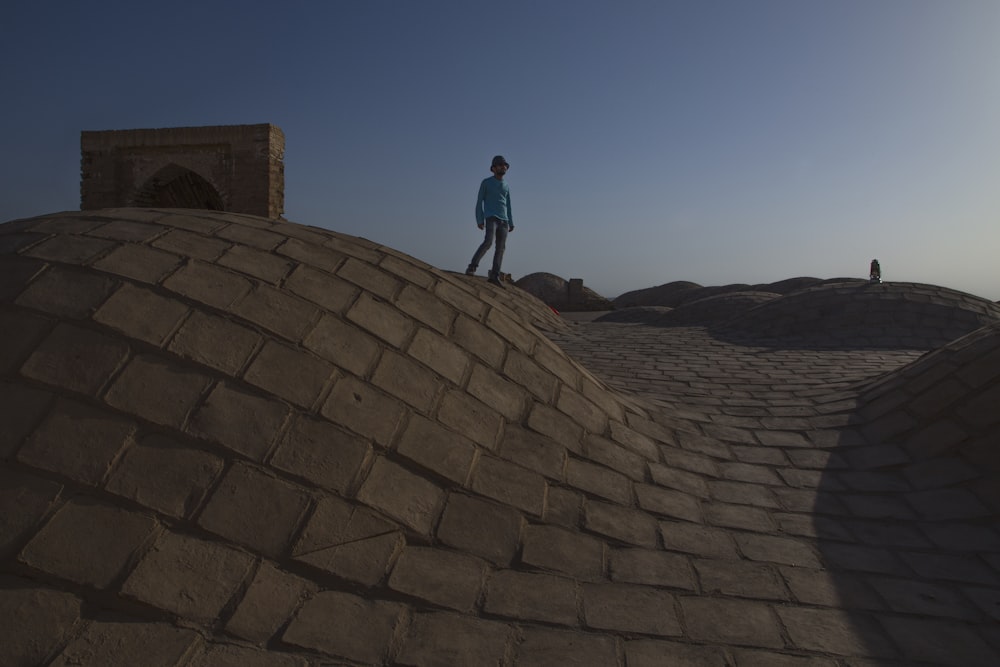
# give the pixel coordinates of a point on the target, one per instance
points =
(499, 166)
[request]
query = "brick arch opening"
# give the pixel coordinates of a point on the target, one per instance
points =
(175, 186)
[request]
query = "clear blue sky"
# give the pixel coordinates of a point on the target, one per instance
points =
(716, 141)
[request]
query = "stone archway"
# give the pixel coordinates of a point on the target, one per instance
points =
(177, 187)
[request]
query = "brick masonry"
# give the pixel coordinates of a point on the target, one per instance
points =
(230, 439)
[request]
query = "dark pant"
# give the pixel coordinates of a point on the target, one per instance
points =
(495, 228)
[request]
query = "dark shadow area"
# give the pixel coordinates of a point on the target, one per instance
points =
(177, 187)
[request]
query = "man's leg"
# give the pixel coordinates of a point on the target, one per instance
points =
(501, 234)
(490, 229)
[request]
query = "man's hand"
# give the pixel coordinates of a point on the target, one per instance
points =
(511, 228)
(481, 225)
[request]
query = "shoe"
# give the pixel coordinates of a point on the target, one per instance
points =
(495, 281)
(470, 271)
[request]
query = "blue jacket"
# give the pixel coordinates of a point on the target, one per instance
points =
(493, 201)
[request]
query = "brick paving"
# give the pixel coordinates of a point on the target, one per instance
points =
(236, 441)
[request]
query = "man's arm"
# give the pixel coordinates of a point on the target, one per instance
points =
(480, 202)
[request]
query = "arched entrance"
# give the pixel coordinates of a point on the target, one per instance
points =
(177, 187)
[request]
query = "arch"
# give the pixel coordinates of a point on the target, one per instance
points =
(175, 186)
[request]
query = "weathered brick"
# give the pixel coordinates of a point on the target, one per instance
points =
(15, 274)
(184, 242)
(440, 577)
(654, 653)
(289, 373)
(270, 600)
(343, 344)
(451, 639)
(548, 421)
(269, 268)
(67, 293)
(564, 507)
(77, 441)
(413, 500)
(680, 480)
(215, 342)
(440, 354)
(111, 640)
(740, 579)
(407, 268)
(532, 597)
(87, 542)
(627, 608)
(322, 453)
(696, 463)
(407, 380)
(349, 541)
(739, 493)
(427, 308)
(381, 319)
(551, 548)
(241, 421)
(652, 567)
(363, 409)
(742, 517)
(369, 278)
(76, 359)
(731, 622)
(139, 262)
(208, 284)
(514, 332)
(363, 631)
(620, 523)
(551, 358)
(510, 484)
(611, 454)
(534, 451)
(322, 289)
(445, 452)
(598, 480)
(141, 313)
(582, 411)
(700, 540)
(36, 621)
(255, 510)
(70, 249)
(505, 397)
(460, 298)
(523, 370)
(482, 528)
(771, 549)
(156, 390)
(543, 647)
(834, 631)
(164, 475)
(20, 333)
(277, 311)
(231, 655)
(32, 496)
(466, 415)
(251, 236)
(311, 253)
(479, 340)
(189, 577)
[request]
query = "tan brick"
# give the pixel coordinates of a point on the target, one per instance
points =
(582, 411)
(599, 481)
(349, 541)
(363, 631)
(435, 448)
(548, 421)
(482, 528)
(564, 507)
(322, 453)
(255, 510)
(741, 579)
(634, 440)
(835, 631)
(289, 373)
(215, 342)
(611, 454)
(514, 332)
(271, 599)
(653, 568)
(509, 484)
(15, 274)
(654, 653)
(440, 577)
(189, 577)
(111, 641)
(523, 370)
(407, 380)
(532, 597)
(370, 278)
(466, 415)
(257, 238)
(69, 249)
(231, 655)
(568, 552)
(413, 500)
(732, 622)
(427, 308)
(439, 354)
(665, 502)
(164, 475)
(21, 408)
(36, 621)
(625, 608)
(87, 542)
(241, 421)
(363, 409)
(156, 390)
(76, 359)
(551, 358)
(381, 319)
(534, 451)
(500, 394)
(322, 289)
(343, 344)
(263, 265)
(460, 298)
(77, 441)
(32, 496)
(208, 284)
(543, 647)
(277, 311)
(479, 340)
(66, 292)
(188, 244)
(20, 332)
(407, 268)
(139, 262)
(784, 550)
(312, 253)
(620, 523)
(451, 639)
(142, 314)
(128, 230)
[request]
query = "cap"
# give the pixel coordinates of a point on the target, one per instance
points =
(499, 160)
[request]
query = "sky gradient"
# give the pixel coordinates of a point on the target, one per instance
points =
(717, 141)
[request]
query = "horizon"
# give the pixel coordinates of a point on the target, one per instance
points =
(715, 142)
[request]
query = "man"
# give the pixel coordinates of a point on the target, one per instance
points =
(493, 215)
